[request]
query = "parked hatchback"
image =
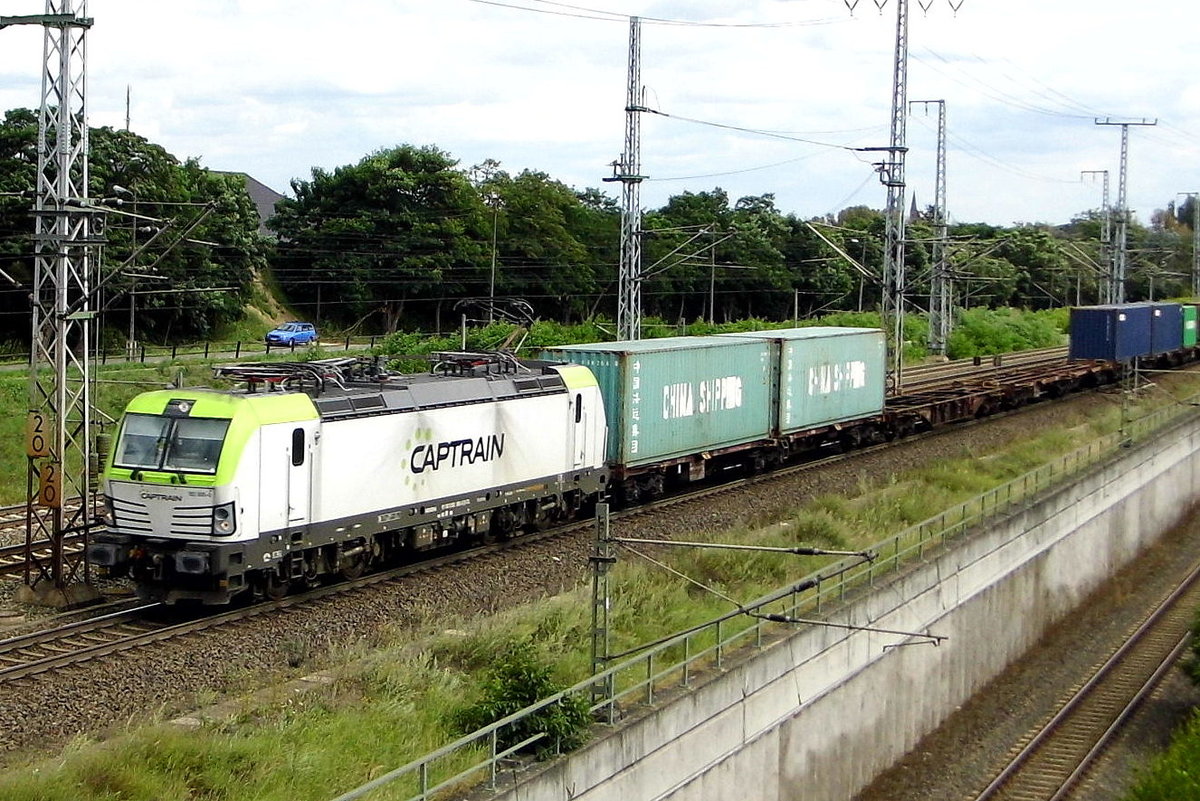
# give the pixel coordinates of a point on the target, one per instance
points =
(292, 334)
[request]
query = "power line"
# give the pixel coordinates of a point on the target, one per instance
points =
(600, 15)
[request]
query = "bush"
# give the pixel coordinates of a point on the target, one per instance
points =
(518, 680)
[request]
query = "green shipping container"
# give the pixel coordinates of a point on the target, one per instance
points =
(824, 374)
(1189, 325)
(666, 398)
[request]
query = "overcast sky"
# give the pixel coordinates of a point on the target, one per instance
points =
(276, 88)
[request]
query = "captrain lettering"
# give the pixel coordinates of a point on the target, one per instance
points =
(456, 453)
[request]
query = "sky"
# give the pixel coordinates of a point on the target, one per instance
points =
(276, 89)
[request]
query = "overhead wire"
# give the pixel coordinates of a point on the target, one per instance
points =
(582, 12)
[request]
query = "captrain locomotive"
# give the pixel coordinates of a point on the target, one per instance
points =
(323, 468)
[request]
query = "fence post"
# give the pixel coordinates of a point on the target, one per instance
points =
(173, 350)
(143, 354)
(495, 748)
(206, 349)
(347, 343)
(237, 351)
(719, 652)
(650, 678)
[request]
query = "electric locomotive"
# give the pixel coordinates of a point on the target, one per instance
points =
(325, 468)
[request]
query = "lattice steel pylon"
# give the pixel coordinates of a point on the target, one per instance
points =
(627, 170)
(1116, 291)
(893, 175)
(941, 293)
(59, 424)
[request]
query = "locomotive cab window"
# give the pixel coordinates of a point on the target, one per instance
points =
(187, 445)
(578, 408)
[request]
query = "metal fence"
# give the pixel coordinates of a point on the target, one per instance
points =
(479, 757)
(231, 349)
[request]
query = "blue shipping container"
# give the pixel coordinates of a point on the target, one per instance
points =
(1166, 327)
(1114, 333)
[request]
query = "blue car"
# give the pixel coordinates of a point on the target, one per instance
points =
(293, 333)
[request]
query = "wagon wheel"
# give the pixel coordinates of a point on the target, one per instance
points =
(354, 566)
(275, 587)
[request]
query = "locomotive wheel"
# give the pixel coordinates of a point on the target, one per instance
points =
(354, 567)
(504, 523)
(274, 586)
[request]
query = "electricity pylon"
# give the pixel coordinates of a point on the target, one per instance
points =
(1121, 256)
(941, 311)
(1107, 255)
(58, 429)
(627, 170)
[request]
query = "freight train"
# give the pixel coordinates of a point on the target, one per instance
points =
(322, 469)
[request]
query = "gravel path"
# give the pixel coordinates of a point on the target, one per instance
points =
(93, 699)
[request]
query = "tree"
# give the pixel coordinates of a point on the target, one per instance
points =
(400, 224)
(145, 188)
(543, 248)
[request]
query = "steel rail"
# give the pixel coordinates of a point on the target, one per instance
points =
(1060, 753)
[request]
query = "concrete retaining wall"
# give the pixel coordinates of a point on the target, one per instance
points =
(818, 715)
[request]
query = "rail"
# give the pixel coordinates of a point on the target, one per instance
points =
(479, 757)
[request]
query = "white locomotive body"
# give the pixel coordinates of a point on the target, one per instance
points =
(328, 467)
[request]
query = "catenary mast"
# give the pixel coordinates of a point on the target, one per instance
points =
(58, 441)
(627, 170)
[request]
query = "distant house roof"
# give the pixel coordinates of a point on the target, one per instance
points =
(264, 198)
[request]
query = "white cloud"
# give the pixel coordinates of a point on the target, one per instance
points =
(276, 88)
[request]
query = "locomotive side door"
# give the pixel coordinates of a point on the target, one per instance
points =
(300, 471)
(580, 433)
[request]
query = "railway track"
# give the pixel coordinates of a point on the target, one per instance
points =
(1056, 757)
(935, 376)
(13, 561)
(53, 649)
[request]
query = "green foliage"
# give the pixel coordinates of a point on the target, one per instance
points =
(400, 223)
(516, 680)
(163, 210)
(1173, 775)
(983, 332)
(1192, 664)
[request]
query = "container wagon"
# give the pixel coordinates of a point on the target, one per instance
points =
(679, 407)
(823, 375)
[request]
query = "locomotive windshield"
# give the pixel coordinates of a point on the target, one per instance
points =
(175, 444)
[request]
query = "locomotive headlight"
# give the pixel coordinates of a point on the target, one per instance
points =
(224, 520)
